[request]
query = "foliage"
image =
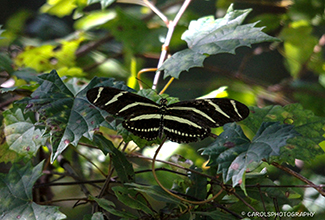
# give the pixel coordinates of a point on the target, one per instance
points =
(50, 131)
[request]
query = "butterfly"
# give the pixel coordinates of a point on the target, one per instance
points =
(181, 122)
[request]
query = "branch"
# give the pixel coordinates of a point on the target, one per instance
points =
(300, 177)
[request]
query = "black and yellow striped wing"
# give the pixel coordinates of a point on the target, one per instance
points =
(186, 121)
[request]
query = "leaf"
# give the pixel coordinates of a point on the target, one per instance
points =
(310, 127)
(122, 166)
(132, 198)
(65, 115)
(156, 193)
(5, 62)
(297, 138)
(16, 195)
(110, 207)
(130, 30)
(1, 31)
(235, 154)
(22, 136)
(207, 36)
(216, 214)
(103, 3)
(198, 188)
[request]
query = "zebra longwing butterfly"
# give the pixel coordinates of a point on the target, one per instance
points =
(182, 122)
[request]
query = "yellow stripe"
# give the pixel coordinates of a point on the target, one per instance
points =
(217, 108)
(195, 110)
(114, 99)
(100, 89)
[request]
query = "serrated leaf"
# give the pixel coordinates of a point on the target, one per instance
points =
(209, 36)
(310, 127)
(16, 195)
(22, 136)
(65, 115)
(235, 154)
(132, 198)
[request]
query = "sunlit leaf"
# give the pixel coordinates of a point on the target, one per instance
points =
(207, 36)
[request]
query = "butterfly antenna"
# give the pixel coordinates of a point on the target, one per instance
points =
(170, 193)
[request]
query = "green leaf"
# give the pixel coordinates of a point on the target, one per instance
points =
(310, 127)
(22, 135)
(216, 214)
(1, 31)
(122, 166)
(103, 3)
(156, 193)
(16, 195)
(67, 116)
(235, 154)
(110, 207)
(132, 31)
(208, 36)
(5, 62)
(132, 198)
(297, 138)
(198, 188)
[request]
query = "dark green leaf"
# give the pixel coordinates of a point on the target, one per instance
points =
(310, 127)
(132, 31)
(110, 207)
(235, 154)
(21, 134)
(67, 116)
(132, 198)
(16, 195)
(122, 166)
(5, 62)
(26, 74)
(208, 36)
(216, 214)
(156, 193)
(198, 187)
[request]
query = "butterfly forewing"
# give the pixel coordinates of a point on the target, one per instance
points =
(119, 102)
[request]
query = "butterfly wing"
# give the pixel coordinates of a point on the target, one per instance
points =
(141, 115)
(189, 121)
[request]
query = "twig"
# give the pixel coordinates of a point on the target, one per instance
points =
(300, 177)
(169, 35)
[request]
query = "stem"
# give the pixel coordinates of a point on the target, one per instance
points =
(300, 177)
(171, 27)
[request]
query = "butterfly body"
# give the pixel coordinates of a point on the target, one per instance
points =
(182, 122)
